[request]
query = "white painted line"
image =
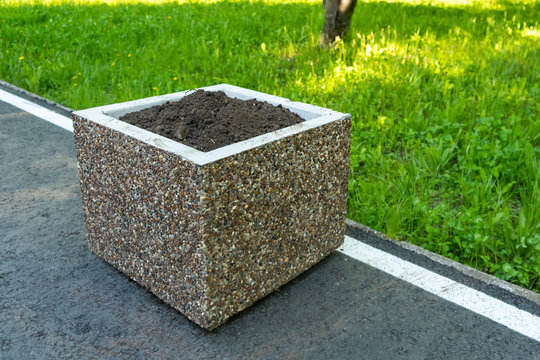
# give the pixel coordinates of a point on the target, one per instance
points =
(36, 110)
(516, 319)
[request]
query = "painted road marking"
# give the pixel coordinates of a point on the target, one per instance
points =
(516, 319)
(36, 110)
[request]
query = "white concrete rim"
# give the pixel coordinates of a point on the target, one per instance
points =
(108, 116)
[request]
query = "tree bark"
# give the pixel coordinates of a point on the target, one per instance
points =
(337, 19)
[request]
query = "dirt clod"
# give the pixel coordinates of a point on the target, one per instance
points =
(182, 131)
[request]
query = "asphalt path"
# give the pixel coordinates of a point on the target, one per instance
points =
(59, 300)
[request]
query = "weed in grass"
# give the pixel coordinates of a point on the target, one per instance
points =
(444, 95)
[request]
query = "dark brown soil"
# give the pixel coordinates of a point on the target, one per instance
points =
(208, 120)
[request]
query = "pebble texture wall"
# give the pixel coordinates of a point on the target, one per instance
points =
(212, 239)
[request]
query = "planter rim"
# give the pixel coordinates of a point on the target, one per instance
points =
(108, 116)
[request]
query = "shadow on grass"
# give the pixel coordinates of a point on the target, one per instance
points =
(437, 20)
(262, 19)
(208, 43)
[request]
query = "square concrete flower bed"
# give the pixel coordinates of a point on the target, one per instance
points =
(212, 232)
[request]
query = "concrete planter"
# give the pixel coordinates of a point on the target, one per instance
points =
(212, 232)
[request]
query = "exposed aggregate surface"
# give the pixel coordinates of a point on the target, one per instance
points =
(210, 240)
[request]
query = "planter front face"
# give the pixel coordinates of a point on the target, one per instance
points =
(211, 233)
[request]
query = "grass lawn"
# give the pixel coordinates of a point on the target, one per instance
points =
(444, 96)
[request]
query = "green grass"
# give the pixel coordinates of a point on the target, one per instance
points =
(446, 134)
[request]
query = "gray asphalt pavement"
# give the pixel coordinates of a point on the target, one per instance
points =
(59, 300)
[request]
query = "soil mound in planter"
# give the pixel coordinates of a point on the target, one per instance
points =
(207, 120)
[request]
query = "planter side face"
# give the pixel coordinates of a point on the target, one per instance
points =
(271, 213)
(142, 213)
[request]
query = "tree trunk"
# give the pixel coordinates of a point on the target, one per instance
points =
(337, 19)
